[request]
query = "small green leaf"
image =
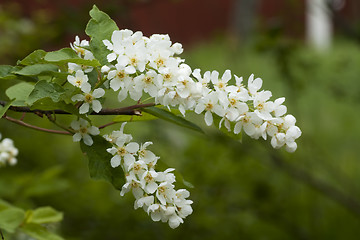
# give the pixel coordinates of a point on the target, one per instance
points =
(170, 117)
(45, 215)
(127, 118)
(99, 162)
(100, 27)
(44, 89)
(39, 232)
(37, 69)
(34, 58)
(3, 109)
(20, 93)
(67, 55)
(11, 218)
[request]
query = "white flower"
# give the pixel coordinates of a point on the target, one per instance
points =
(156, 211)
(262, 107)
(80, 80)
(89, 99)
(119, 79)
(116, 45)
(8, 152)
(138, 168)
(254, 84)
(77, 46)
(73, 67)
(83, 131)
(238, 91)
(175, 221)
(144, 202)
(166, 176)
(278, 109)
(165, 192)
(220, 84)
(210, 104)
(249, 122)
(147, 156)
(134, 57)
(148, 181)
(118, 136)
(123, 152)
(132, 184)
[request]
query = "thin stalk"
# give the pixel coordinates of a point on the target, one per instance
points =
(19, 122)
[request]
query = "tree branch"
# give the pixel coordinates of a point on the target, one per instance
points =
(129, 110)
(19, 122)
(106, 125)
(345, 200)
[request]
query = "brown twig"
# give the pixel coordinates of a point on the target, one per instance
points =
(129, 110)
(106, 125)
(20, 122)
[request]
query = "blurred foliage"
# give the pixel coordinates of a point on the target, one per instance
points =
(19, 35)
(241, 190)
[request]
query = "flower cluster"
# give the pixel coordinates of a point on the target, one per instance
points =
(139, 65)
(80, 80)
(154, 191)
(8, 152)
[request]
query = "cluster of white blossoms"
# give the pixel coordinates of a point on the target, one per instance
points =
(8, 152)
(154, 191)
(139, 65)
(79, 79)
(149, 66)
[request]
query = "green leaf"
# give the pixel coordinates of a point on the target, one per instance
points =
(37, 69)
(34, 57)
(99, 162)
(48, 104)
(127, 118)
(170, 117)
(3, 109)
(11, 218)
(4, 204)
(100, 27)
(66, 55)
(44, 89)
(39, 232)
(5, 71)
(45, 215)
(20, 93)
(93, 77)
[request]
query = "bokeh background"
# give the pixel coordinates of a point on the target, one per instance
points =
(242, 190)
